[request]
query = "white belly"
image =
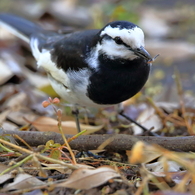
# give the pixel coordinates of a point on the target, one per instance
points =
(74, 94)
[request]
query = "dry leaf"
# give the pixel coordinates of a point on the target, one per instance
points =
(23, 181)
(16, 100)
(6, 177)
(35, 80)
(69, 127)
(158, 167)
(8, 125)
(149, 119)
(19, 115)
(86, 178)
(3, 115)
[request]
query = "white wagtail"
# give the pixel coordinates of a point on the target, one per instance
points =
(92, 68)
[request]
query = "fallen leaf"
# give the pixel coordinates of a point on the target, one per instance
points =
(158, 166)
(18, 116)
(16, 100)
(149, 119)
(3, 115)
(7, 91)
(6, 177)
(23, 181)
(86, 178)
(177, 177)
(8, 125)
(35, 80)
(69, 127)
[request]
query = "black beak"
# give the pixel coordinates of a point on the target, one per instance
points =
(141, 52)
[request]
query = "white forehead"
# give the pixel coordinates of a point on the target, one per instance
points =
(133, 37)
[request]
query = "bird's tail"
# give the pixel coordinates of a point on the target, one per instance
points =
(18, 26)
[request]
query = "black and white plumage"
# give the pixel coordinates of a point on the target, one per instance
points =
(92, 67)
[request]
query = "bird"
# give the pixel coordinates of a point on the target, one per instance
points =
(90, 68)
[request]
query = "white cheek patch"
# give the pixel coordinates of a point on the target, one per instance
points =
(112, 50)
(132, 37)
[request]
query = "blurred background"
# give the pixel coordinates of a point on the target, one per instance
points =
(169, 28)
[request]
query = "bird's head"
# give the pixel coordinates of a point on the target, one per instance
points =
(122, 39)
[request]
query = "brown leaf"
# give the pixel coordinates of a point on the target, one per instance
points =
(69, 127)
(18, 116)
(87, 178)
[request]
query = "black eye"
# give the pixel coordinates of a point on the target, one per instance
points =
(118, 40)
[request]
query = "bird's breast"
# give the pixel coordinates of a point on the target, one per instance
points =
(112, 85)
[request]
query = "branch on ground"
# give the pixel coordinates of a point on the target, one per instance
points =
(117, 142)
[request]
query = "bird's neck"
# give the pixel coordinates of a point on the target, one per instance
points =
(121, 64)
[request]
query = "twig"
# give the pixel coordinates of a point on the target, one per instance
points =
(92, 142)
(139, 125)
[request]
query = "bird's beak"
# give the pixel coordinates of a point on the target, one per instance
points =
(141, 52)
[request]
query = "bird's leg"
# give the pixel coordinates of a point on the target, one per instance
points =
(75, 112)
